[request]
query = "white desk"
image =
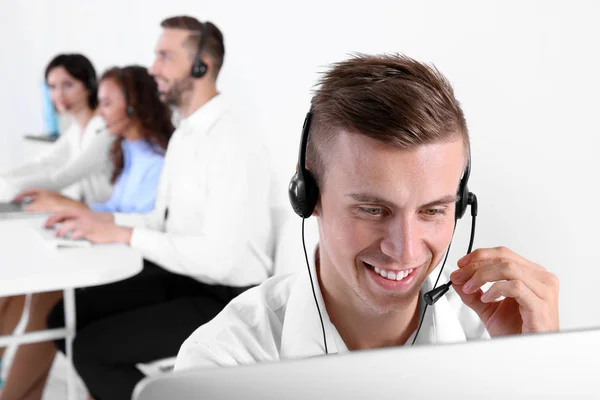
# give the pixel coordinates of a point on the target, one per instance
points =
(28, 265)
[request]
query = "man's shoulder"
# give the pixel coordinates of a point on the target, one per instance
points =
(248, 330)
(267, 298)
(239, 138)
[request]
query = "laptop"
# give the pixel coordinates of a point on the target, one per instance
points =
(44, 137)
(12, 207)
(17, 210)
(537, 366)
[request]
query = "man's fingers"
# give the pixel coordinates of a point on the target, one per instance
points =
(465, 272)
(34, 206)
(508, 271)
(58, 217)
(497, 253)
(472, 300)
(54, 219)
(27, 193)
(66, 227)
(513, 289)
(77, 234)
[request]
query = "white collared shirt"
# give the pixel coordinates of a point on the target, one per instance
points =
(278, 320)
(216, 184)
(76, 158)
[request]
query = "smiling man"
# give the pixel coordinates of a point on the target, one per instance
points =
(387, 146)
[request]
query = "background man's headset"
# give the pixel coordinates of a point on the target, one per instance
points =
(304, 193)
(199, 67)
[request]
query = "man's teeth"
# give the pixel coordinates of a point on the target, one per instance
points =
(393, 276)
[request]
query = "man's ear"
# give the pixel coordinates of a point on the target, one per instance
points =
(209, 63)
(317, 211)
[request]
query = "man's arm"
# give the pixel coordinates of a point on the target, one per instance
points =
(92, 158)
(225, 234)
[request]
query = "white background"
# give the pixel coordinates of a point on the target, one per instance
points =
(526, 73)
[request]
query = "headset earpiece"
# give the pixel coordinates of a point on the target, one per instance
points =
(462, 201)
(303, 190)
(304, 193)
(129, 110)
(199, 67)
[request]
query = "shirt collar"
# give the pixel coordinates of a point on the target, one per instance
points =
(137, 148)
(204, 117)
(302, 335)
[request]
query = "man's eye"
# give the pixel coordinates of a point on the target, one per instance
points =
(372, 211)
(432, 212)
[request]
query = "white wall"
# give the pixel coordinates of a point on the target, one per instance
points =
(525, 71)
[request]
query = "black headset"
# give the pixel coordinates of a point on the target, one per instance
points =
(303, 192)
(303, 189)
(199, 67)
(128, 107)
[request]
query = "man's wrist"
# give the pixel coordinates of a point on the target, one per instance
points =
(106, 217)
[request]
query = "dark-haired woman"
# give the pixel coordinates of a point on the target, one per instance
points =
(80, 155)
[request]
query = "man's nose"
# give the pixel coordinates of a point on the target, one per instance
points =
(403, 241)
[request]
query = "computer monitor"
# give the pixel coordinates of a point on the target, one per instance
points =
(50, 115)
(539, 366)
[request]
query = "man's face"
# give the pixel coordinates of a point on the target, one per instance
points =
(172, 66)
(384, 211)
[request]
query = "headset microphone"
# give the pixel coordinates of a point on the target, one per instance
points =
(437, 293)
(434, 295)
(105, 127)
